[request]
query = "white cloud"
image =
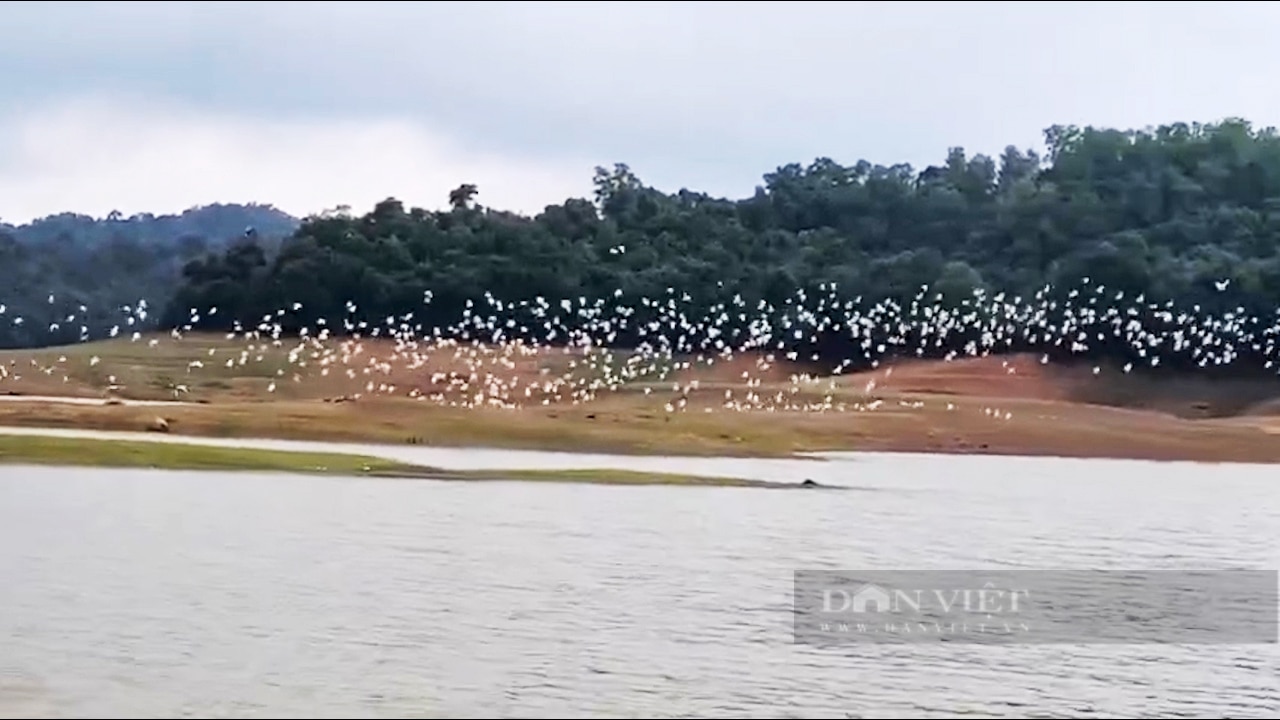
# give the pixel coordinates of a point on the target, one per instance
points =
(692, 94)
(94, 155)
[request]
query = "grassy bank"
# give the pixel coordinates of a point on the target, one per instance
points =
(34, 450)
(175, 456)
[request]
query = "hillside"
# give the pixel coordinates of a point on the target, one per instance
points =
(217, 221)
(107, 263)
(1088, 249)
(1184, 218)
(450, 393)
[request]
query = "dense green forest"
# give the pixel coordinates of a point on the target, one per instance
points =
(1187, 213)
(109, 263)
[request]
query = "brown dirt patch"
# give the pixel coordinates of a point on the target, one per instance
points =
(1005, 405)
(1015, 376)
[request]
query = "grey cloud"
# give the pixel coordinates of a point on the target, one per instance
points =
(704, 94)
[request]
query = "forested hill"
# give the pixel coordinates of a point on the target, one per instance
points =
(207, 223)
(107, 263)
(1183, 212)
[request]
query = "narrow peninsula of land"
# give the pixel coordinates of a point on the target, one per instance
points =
(63, 451)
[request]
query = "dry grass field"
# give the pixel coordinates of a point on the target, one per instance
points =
(514, 396)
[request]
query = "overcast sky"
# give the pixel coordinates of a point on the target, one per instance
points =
(150, 106)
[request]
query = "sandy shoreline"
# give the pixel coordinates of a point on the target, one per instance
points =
(496, 458)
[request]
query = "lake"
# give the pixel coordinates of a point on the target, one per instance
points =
(148, 593)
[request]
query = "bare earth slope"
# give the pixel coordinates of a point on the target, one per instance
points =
(373, 390)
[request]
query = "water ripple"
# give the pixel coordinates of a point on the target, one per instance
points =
(132, 593)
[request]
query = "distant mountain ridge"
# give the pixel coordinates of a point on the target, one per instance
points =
(106, 264)
(214, 221)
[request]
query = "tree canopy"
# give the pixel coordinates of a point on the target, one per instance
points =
(108, 263)
(1184, 212)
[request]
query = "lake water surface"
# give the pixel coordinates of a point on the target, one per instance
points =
(147, 593)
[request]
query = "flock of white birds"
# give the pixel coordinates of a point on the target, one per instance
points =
(482, 359)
